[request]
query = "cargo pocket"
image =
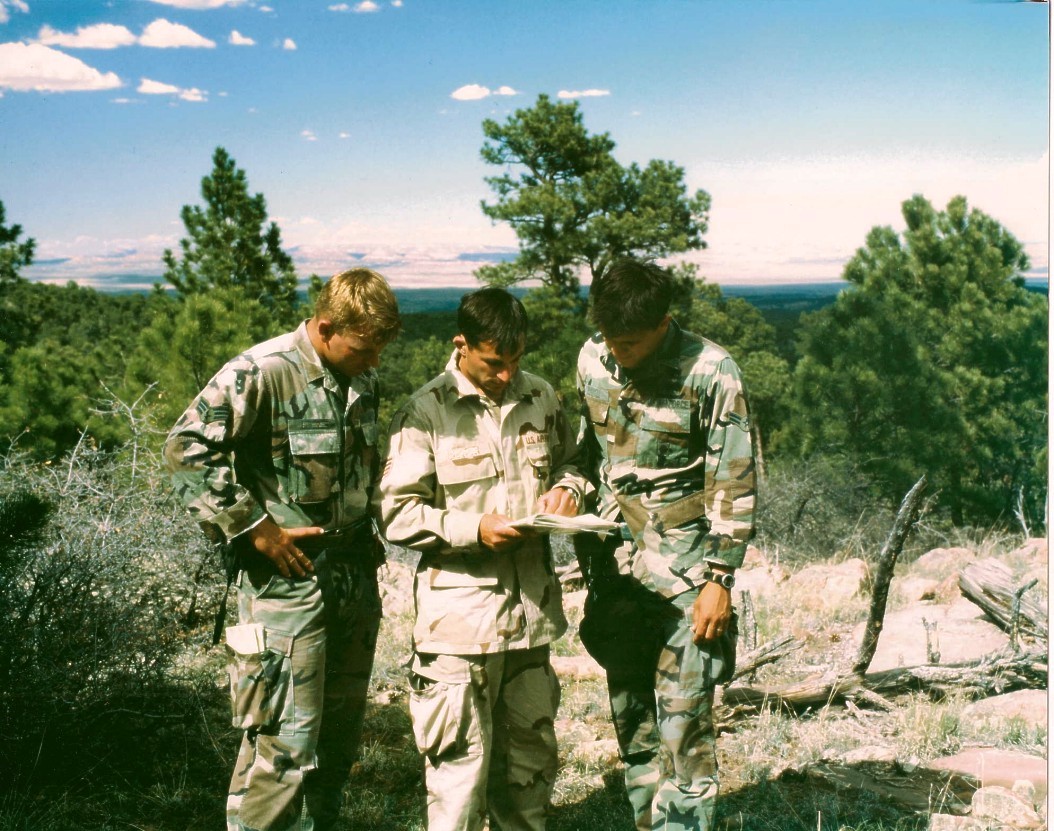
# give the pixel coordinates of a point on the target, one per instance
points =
(440, 714)
(261, 677)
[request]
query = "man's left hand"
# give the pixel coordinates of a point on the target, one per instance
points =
(558, 501)
(711, 612)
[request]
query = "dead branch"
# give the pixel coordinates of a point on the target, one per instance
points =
(990, 584)
(907, 516)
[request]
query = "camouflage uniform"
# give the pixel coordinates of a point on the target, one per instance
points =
(483, 693)
(276, 433)
(670, 445)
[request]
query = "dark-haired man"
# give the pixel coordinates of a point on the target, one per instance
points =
(277, 456)
(666, 433)
(478, 446)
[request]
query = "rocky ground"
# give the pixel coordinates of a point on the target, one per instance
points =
(953, 763)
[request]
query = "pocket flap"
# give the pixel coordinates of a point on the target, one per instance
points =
(313, 442)
(667, 415)
(457, 469)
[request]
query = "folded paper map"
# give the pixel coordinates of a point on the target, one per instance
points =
(556, 524)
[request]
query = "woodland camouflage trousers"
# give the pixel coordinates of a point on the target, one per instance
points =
(485, 725)
(301, 699)
(665, 732)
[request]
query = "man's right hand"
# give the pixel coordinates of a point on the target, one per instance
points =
(279, 546)
(496, 534)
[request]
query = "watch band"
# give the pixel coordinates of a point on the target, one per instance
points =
(721, 578)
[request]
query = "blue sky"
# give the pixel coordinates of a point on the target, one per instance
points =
(808, 122)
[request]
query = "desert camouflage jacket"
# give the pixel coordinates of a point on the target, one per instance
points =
(274, 433)
(455, 456)
(669, 445)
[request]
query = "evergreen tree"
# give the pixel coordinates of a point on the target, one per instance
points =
(185, 344)
(574, 206)
(14, 255)
(230, 244)
(934, 361)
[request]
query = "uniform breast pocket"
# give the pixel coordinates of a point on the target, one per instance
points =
(467, 475)
(665, 433)
(314, 463)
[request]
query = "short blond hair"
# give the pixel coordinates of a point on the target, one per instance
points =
(360, 301)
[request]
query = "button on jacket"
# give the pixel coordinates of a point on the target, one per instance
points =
(671, 440)
(454, 456)
(275, 433)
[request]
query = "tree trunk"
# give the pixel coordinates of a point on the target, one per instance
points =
(907, 516)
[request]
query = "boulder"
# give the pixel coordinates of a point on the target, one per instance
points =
(821, 587)
(958, 632)
(991, 766)
(939, 563)
(1029, 706)
(995, 802)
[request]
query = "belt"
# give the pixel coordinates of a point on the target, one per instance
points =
(342, 538)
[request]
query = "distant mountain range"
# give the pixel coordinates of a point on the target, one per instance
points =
(788, 297)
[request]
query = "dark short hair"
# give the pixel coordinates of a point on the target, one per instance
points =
(630, 296)
(492, 314)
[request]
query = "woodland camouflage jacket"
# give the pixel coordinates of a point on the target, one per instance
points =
(670, 447)
(273, 433)
(455, 456)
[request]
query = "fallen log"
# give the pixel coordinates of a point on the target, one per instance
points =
(1000, 673)
(991, 585)
(918, 788)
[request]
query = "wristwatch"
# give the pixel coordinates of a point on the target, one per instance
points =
(721, 578)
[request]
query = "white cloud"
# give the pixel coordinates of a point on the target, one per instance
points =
(149, 87)
(289, 45)
(475, 92)
(101, 36)
(344, 134)
(33, 66)
(238, 39)
(470, 92)
(199, 4)
(582, 93)
(308, 135)
(17, 5)
(397, 3)
(339, 7)
(367, 6)
(163, 34)
(266, 9)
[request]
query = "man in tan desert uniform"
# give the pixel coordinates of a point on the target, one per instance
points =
(480, 445)
(277, 457)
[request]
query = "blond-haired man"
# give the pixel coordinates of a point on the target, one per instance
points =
(277, 456)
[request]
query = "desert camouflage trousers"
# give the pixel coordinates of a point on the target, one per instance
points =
(301, 696)
(666, 735)
(484, 724)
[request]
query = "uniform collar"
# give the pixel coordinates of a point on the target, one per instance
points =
(461, 386)
(317, 372)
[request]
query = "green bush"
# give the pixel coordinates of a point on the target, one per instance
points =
(104, 587)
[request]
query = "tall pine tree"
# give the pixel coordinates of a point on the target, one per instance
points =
(230, 244)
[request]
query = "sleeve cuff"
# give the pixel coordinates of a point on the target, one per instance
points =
(463, 529)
